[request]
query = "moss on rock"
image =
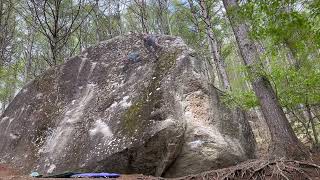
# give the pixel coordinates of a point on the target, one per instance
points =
(150, 99)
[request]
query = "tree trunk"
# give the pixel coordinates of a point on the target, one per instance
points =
(118, 18)
(143, 16)
(292, 55)
(3, 106)
(284, 142)
(162, 19)
(28, 54)
(96, 21)
(261, 51)
(305, 124)
(168, 17)
(1, 35)
(313, 125)
(213, 45)
(194, 16)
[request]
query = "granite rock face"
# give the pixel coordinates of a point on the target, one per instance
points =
(125, 105)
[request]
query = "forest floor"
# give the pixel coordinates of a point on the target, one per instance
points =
(263, 170)
(7, 173)
(258, 169)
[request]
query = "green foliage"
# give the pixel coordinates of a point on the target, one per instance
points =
(290, 36)
(185, 24)
(10, 81)
(244, 99)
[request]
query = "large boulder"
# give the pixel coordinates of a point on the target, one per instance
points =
(132, 104)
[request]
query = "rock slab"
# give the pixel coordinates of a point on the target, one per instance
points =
(128, 106)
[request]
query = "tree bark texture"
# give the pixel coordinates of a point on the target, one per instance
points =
(284, 142)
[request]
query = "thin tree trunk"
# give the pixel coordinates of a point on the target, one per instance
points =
(3, 106)
(159, 21)
(1, 35)
(80, 40)
(162, 19)
(195, 18)
(118, 17)
(213, 45)
(168, 18)
(110, 26)
(1, 12)
(313, 126)
(29, 55)
(261, 50)
(292, 56)
(96, 21)
(284, 142)
(143, 16)
(304, 124)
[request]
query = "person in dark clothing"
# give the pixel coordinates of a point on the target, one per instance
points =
(150, 43)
